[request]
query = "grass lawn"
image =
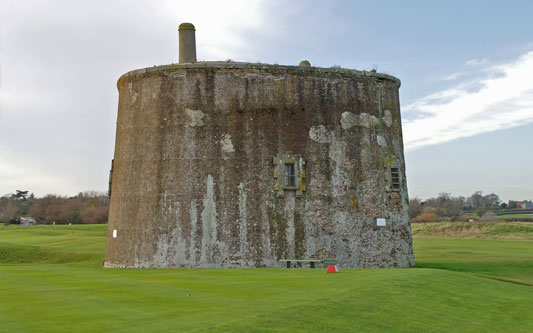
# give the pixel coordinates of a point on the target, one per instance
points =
(507, 260)
(51, 279)
(512, 217)
(474, 230)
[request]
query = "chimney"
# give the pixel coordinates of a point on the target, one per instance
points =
(187, 43)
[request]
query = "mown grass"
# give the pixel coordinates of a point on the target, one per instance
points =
(512, 217)
(77, 294)
(474, 230)
(52, 244)
(508, 260)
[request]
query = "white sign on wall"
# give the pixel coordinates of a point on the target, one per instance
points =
(381, 222)
(115, 233)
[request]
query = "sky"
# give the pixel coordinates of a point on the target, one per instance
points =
(466, 69)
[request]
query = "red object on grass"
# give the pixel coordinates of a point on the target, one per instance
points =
(332, 269)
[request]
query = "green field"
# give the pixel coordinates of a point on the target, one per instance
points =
(478, 230)
(51, 279)
(511, 217)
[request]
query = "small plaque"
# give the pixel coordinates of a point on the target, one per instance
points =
(381, 222)
(115, 233)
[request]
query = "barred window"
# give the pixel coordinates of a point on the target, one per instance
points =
(395, 179)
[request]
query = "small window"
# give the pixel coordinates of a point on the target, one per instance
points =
(290, 175)
(395, 179)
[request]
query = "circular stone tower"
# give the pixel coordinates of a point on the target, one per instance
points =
(225, 164)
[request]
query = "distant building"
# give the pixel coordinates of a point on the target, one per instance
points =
(524, 204)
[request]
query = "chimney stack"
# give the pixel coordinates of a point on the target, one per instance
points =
(187, 43)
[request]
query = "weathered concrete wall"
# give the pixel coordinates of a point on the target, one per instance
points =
(196, 179)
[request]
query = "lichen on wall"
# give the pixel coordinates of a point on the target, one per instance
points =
(243, 222)
(209, 223)
(198, 176)
(195, 118)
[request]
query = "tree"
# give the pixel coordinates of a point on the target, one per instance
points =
(445, 205)
(491, 200)
(476, 200)
(8, 209)
(480, 211)
(88, 207)
(21, 195)
(443, 196)
(426, 217)
(415, 208)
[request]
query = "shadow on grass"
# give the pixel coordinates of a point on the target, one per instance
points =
(26, 254)
(514, 272)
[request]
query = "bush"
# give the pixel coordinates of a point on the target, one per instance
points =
(426, 217)
(465, 218)
(88, 207)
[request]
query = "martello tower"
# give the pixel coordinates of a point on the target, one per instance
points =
(229, 164)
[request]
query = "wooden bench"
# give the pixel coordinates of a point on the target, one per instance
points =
(311, 261)
(330, 261)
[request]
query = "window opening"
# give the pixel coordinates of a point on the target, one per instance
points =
(395, 179)
(290, 175)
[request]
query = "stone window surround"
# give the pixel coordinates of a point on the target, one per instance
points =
(394, 178)
(280, 176)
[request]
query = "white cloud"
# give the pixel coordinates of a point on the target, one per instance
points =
(60, 61)
(219, 25)
(476, 62)
(453, 76)
(503, 100)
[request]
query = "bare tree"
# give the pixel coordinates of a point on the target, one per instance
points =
(8, 209)
(415, 208)
(492, 200)
(87, 207)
